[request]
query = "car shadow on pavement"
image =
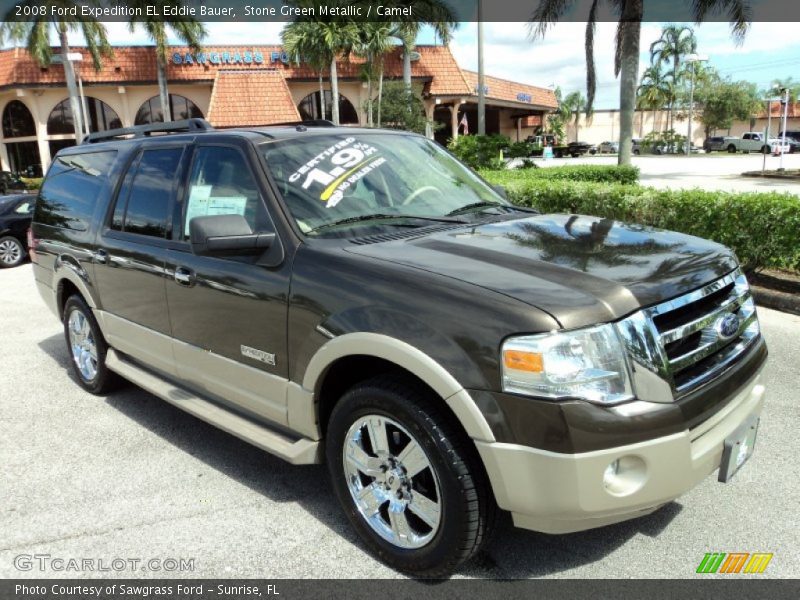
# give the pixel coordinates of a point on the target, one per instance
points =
(512, 553)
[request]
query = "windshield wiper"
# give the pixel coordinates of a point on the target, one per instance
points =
(487, 204)
(381, 216)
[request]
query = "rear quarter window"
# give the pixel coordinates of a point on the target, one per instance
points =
(71, 189)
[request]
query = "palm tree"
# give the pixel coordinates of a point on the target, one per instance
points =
(574, 104)
(653, 91)
(777, 87)
(303, 45)
(626, 63)
(335, 38)
(375, 39)
(676, 42)
(187, 29)
(435, 13)
(35, 33)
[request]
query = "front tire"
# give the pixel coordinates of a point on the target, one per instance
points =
(12, 253)
(408, 479)
(87, 348)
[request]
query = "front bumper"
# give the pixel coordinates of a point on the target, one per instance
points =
(560, 493)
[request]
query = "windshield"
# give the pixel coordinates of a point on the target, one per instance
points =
(336, 182)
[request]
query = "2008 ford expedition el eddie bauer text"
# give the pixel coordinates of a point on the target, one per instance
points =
(359, 297)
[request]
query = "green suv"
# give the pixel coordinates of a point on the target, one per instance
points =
(359, 297)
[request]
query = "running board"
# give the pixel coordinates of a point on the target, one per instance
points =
(298, 452)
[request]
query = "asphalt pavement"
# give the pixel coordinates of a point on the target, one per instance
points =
(129, 478)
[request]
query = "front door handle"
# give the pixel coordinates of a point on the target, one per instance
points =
(184, 276)
(100, 257)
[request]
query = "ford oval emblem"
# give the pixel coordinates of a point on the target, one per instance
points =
(728, 326)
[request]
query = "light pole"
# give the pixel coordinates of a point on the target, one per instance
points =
(481, 88)
(692, 58)
(785, 103)
(767, 132)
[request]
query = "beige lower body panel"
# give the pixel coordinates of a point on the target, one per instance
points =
(561, 493)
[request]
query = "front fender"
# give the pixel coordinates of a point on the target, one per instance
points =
(409, 358)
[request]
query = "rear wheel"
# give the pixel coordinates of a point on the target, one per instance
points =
(731, 149)
(12, 253)
(409, 481)
(87, 348)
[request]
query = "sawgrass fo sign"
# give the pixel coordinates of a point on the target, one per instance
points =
(228, 58)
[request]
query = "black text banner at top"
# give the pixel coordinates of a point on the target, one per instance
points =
(390, 10)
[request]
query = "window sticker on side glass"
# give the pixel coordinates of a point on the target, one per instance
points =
(337, 168)
(203, 204)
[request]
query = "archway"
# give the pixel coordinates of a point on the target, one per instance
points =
(309, 108)
(180, 107)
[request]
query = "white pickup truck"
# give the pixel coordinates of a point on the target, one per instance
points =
(752, 141)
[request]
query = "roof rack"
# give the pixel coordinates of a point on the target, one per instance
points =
(185, 126)
(308, 123)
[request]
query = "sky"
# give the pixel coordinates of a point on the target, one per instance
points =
(770, 51)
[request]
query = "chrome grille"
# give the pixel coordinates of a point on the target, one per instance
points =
(681, 344)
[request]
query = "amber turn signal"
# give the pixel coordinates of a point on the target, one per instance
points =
(523, 361)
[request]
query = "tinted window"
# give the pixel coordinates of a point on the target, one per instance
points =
(221, 184)
(151, 192)
(71, 189)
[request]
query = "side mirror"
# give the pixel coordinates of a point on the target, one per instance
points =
(226, 235)
(500, 190)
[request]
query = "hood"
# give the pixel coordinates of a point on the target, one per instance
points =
(581, 270)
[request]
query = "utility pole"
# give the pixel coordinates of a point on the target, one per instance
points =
(481, 84)
(766, 133)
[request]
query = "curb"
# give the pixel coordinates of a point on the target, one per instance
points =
(782, 301)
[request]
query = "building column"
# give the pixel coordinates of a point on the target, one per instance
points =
(40, 119)
(430, 106)
(454, 120)
(519, 128)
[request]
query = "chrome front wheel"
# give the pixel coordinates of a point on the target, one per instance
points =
(392, 481)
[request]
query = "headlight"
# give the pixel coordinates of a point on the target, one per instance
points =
(588, 363)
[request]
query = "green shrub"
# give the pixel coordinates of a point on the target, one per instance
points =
(593, 173)
(32, 183)
(480, 151)
(762, 228)
(520, 150)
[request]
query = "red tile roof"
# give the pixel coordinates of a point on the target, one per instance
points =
(511, 91)
(250, 98)
(131, 64)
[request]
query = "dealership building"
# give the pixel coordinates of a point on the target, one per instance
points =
(233, 86)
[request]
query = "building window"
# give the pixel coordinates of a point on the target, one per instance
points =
(17, 120)
(180, 107)
(101, 117)
(309, 108)
(23, 158)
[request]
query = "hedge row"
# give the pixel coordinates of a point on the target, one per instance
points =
(593, 173)
(762, 228)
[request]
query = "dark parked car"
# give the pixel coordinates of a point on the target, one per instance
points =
(793, 139)
(713, 144)
(360, 298)
(10, 182)
(15, 219)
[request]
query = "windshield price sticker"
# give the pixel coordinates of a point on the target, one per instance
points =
(337, 168)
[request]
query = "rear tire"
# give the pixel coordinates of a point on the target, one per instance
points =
(410, 481)
(12, 252)
(731, 149)
(87, 349)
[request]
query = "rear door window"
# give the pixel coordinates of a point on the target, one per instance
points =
(145, 200)
(71, 189)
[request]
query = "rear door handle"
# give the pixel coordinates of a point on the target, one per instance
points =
(184, 276)
(100, 257)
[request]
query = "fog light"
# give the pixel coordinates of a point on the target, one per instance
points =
(625, 475)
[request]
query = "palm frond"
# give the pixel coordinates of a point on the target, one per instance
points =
(546, 14)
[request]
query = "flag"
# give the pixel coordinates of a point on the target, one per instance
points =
(463, 123)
